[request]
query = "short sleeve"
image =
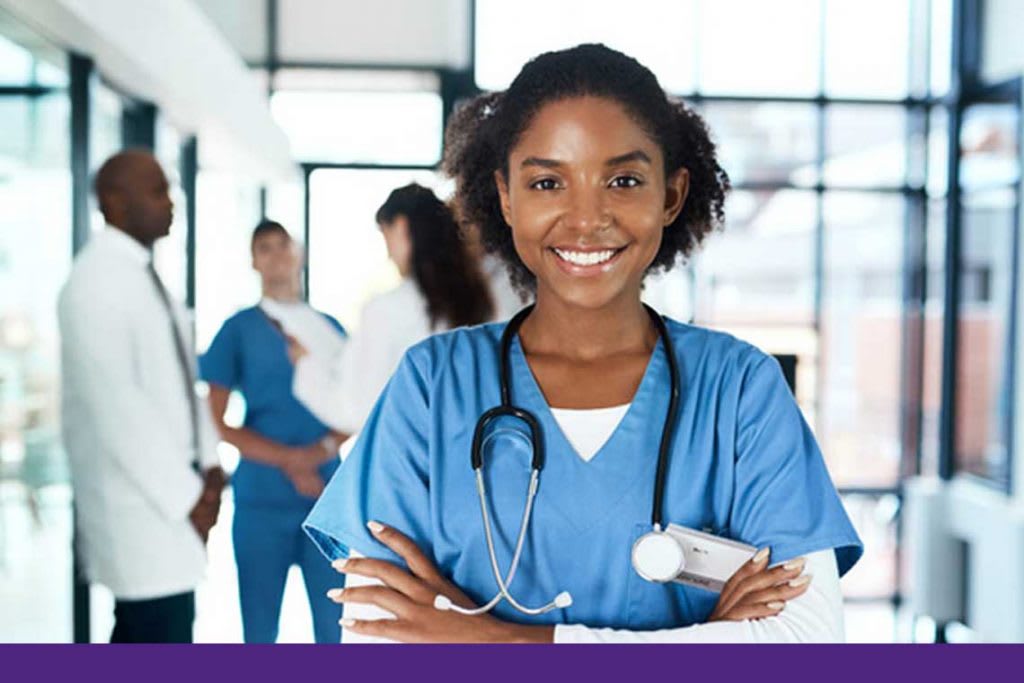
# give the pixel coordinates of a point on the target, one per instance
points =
(221, 364)
(385, 478)
(784, 498)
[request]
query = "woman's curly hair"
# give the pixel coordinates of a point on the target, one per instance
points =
(483, 131)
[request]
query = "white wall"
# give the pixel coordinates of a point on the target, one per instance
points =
(432, 32)
(243, 23)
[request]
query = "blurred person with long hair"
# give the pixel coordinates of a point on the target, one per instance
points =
(442, 288)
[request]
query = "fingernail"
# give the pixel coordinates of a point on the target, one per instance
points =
(775, 605)
(375, 527)
(339, 565)
(335, 593)
(347, 623)
(798, 563)
(761, 556)
(796, 583)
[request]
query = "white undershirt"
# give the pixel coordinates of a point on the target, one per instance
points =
(588, 430)
(814, 617)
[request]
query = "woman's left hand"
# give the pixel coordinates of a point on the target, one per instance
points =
(409, 596)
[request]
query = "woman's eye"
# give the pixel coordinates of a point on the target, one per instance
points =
(625, 181)
(544, 184)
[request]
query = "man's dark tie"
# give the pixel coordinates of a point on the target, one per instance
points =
(183, 362)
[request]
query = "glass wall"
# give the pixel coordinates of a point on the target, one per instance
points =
(170, 256)
(398, 117)
(348, 262)
(227, 210)
(990, 201)
(35, 256)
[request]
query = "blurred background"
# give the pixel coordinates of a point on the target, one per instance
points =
(872, 239)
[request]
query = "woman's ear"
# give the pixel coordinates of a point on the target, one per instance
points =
(677, 187)
(502, 185)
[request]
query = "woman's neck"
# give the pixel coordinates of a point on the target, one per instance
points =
(559, 328)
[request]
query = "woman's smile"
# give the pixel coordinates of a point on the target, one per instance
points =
(588, 262)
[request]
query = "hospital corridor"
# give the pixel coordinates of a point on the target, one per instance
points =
(488, 321)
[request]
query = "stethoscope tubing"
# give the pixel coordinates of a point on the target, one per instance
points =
(506, 408)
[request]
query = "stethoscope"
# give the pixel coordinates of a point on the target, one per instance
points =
(656, 556)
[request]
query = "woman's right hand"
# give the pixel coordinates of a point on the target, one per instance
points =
(756, 592)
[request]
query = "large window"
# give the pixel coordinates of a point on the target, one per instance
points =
(35, 256)
(990, 207)
(170, 256)
(360, 134)
(359, 117)
(348, 262)
(227, 210)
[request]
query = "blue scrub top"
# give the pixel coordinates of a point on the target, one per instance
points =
(251, 355)
(744, 465)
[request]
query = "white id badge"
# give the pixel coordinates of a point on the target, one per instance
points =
(709, 560)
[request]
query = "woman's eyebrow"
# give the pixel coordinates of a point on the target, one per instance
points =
(544, 163)
(635, 155)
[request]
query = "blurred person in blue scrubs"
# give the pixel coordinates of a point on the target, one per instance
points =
(442, 288)
(287, 455)
(584, 177)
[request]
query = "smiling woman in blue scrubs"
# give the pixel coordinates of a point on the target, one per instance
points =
(584, 177)
(287, 455)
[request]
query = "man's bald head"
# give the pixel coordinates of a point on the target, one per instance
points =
(133, 195)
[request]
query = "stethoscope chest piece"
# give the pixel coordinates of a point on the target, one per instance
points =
(658, 557)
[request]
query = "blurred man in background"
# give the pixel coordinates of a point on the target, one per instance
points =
(146, 481)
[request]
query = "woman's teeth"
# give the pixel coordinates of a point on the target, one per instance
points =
(585, 258)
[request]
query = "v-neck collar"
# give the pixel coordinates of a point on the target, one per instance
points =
(626, 458)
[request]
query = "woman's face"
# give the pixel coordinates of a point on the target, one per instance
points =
(587, 200)
(276, 257)
(399, 243)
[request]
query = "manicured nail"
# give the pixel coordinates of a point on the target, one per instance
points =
(347, 623)
(798, 563)
(339, 565)
(375, 527)
(760, 557)
(796, 583)
(775, 605)
(335, 593)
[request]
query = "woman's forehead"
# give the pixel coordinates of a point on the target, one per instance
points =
(579, 128)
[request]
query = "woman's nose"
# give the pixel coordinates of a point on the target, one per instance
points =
(587, 212)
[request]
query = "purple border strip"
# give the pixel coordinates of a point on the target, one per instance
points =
(518, 664)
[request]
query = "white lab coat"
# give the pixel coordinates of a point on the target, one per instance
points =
(127, 426)
(342, 389)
